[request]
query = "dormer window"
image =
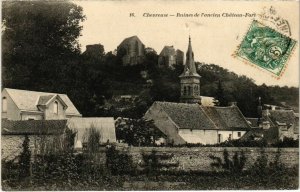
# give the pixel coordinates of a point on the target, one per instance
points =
(4, 104)
(55, 107)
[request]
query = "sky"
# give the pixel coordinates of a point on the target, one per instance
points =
(214, 39)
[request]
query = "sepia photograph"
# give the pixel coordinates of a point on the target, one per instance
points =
(149, 95)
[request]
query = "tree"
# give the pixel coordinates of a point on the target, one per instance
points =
(24, 161)
(93, 140)
(39, 39)
(220, 99)
(137, 132)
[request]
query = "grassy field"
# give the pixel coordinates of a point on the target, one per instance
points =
(165, 181)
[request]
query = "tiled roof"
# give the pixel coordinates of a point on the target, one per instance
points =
(27, 100)
(194, 116)
(253, 133)
(282, 116)
(265, 119)
(252, 121)
(214, 115)
(227, 117)
(187, 116)
(34, 127)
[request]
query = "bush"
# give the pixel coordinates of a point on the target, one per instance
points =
(57, 166)
(263, 167)
(93, 140)
(9, 170)
(286, 142)
(260, 166)
(234, 165)
(232, 143)
(119, 163)
(151, 162)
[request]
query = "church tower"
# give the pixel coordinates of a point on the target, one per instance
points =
(190, 79)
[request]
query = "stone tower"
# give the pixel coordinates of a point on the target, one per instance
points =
(190, 79)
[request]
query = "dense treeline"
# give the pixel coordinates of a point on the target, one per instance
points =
(41, 52)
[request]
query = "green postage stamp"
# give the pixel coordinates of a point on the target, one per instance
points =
(266, 48)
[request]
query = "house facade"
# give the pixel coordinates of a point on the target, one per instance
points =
(132, 51)
(192, 122)
(31, 105)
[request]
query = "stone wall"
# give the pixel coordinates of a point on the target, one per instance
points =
(11, 145)
(197, 158)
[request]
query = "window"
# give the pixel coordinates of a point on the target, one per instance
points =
(196, 90)
(30, 119)
(55, 107)
(219, 138)
(230, 137)
(4, 104)
(189, 90)
(239, 134)
(184, 90)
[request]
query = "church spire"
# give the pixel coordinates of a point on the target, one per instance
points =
(189, 68)
(190, 79)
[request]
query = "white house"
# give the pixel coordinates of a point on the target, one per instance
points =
(31, 105)
(194, 123)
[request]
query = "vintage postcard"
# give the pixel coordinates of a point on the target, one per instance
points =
(149, 95)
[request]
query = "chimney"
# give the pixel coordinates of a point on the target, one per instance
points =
(259, 112)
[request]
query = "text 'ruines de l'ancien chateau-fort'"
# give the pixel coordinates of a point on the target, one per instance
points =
(198, 15)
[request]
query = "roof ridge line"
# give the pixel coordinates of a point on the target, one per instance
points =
(223, 123)
(36, 91)
(241, 114)
(208, 116)
(169, 117)
(11, 98)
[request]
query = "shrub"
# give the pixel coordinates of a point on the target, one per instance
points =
(9, 170)
(231, 143)
(286, 142)
(25, 161)
(234, 165)
(69, 139)
(277, 165)
(57, 166)
(93, 140)
(151, 162)
(118, 163)
(262, 167)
